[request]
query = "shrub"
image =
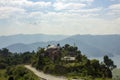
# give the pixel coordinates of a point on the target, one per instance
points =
(3, 65)
(20, 73)
(49, 68)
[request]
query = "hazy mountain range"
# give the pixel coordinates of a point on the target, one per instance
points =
(28, 39)
(91, 45)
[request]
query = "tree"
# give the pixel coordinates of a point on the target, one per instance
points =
(58, 45)
(5, 52)
(26, 57)
(67, 46)
(42, 59)
(109, 63)
(40, 63)
(79, 57)
(95, 63)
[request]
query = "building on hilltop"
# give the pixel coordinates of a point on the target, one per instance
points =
(53, 51)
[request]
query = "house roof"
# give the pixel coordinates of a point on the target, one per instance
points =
(52, 46)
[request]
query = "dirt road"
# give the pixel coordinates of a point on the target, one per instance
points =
(44, 76)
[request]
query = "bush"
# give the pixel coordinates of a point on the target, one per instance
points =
(49, 69)
(20, 73)
(60, 70)
(3, 65)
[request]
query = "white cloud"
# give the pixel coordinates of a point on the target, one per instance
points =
(6, 12)
(63, 17)
(62, 23)
(114, 10)
(24, 3)
(67, 6)
(115, 6)
(75, 0)
(72, 23)
(20, 7)
(87, 10)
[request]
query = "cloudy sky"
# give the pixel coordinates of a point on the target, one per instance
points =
(67, 17)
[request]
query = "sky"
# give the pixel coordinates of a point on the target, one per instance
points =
(66, 17)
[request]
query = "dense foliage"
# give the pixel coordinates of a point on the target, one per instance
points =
(17, 73)
(8, 59)
(80, 66)
(20, 73)
(9, 66)
(66, 61)
(109, 63)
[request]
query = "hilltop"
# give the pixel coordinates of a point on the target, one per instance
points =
(67, 61)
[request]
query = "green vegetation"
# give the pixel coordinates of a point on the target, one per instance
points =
(60, 61)
(8, 59)
(3, 75)
(109, 63)
(17, 73)
(116, 74)
(71, 63)
(9, 69)
(20, 73)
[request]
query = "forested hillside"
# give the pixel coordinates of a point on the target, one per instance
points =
(56, 60)
(12, 68)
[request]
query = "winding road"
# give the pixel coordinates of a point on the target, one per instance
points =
(43, 75)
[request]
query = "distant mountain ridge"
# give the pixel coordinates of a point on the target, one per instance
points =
(97, 45)
(28, 39)
(91, 45)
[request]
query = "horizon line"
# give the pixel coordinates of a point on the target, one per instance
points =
(53, 34)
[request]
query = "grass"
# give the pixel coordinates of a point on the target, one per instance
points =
(3, 76)
(116, 74)
(86, 78)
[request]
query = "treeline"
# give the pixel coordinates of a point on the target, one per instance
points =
(64, 61)
(9, 59)
(11, 65)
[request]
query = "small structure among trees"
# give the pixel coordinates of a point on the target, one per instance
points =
(68, 60)
(53, 52)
